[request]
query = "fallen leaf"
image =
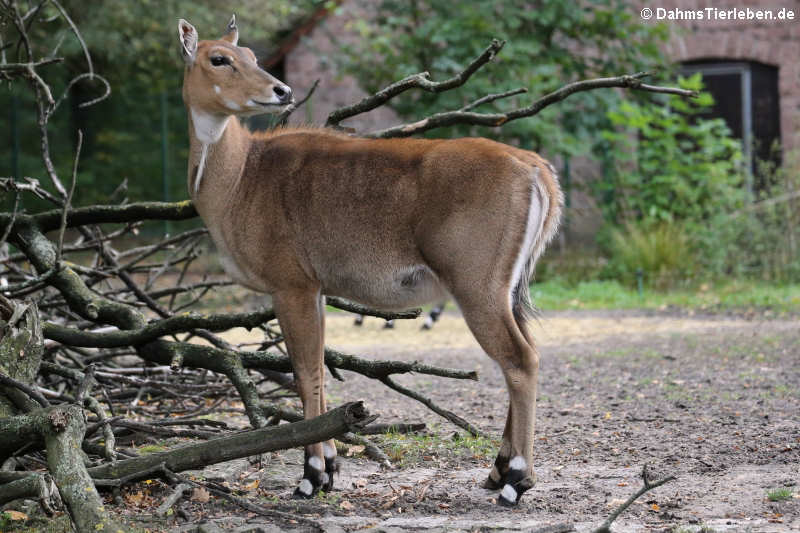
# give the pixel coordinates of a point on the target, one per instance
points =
(14, 515)
(136, 498)
(199, 494)
(655, 507)
(616, 502)
(251, 486)
(607, 415)
(360, 483)
(346, 506)
(352, 450)
(622, 484)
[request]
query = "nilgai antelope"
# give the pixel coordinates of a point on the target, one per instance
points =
(299, 213)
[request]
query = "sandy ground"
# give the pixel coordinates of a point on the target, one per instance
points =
(714, 401)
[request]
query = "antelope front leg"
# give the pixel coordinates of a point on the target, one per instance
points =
(300, 314)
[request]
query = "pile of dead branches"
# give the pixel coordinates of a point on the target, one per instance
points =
(99, 349)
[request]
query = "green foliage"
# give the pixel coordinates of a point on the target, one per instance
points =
(668, 164)
(612, 294)
(409, 448)
(762, 239)
(663, 252)
(549, 44)
(780, 494)
(134, 45)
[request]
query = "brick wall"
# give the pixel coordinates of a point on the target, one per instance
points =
(310, 60)
(775, 43)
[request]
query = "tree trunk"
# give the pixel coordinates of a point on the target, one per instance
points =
(21, 348)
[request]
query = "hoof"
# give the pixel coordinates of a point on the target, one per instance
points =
(512, 492)
(317, 475)
(389, 324)
(492, 484)
(305, 490)
(513, 483)
(331, 467)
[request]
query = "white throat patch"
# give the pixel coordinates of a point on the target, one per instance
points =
(208, 129)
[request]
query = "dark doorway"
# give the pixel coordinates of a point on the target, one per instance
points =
(746, 97)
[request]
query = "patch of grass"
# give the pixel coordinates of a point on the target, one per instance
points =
(780, 494)
(408, 449)
(692, 529)
(743, 295)
(329, 498)
(151, 448)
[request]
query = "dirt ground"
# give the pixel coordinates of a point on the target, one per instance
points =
(713, 400)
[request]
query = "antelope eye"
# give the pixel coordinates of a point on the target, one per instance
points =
(218, 61)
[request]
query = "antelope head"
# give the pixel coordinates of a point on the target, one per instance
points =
(223, 79)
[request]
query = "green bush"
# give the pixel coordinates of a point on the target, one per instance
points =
(668, 164)
(762, 239)
(670, 175)
(663, 252)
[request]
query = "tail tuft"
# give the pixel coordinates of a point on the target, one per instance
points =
(523, 307)
(552, 201)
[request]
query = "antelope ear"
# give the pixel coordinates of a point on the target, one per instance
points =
(188, 38)
(233, 33)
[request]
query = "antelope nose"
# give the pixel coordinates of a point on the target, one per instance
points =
(284, 93)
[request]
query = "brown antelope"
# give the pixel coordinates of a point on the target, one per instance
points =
(299, 213)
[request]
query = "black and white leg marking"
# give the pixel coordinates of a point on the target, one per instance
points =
(331, 466)
(433, 316)
(314, 477)
(515, 482)
(495, 479)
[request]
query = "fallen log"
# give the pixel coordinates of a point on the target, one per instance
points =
(63, 435)
(38, 486)
(348, 417)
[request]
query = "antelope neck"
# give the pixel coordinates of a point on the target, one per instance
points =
(208, 130)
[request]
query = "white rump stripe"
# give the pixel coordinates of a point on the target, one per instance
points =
(533, 228)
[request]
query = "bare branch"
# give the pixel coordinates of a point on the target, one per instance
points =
(492, 97)
(20, 69)
(167, 326)
(427, 402)
(68, 200)
(417, 81)
(10, 225)
(451, 118)
(283, 118)
(106, 90)
(647, 486)
(346, 305)
(78, 35)
(30, 391)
